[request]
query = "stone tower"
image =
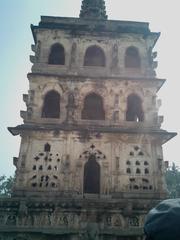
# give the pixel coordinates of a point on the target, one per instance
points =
(90, 164)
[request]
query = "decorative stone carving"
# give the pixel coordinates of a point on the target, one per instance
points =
(93, 9)
(91, 233)
(134, 221)
(70, 108)
(115, 59)
(93, 151)
(77, 179)
(106, 182)
(45, 219)
(109, 220)
(116, 221)
(73, 55)
(29, 112)
(11, 220)
(2, 220)
(22, 214)
(65, 164)
(22, 236)
(116, 116)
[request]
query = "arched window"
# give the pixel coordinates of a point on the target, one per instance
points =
(128, 170)
(138, 171)
(132, 58)
(93, 107)
(94, 56)
(137, 163)
(51, 107)
(57, 55)
(92, 176)
(134, 109)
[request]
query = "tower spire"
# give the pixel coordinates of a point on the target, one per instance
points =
(93, 9)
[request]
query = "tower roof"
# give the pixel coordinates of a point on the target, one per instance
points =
(93, 9)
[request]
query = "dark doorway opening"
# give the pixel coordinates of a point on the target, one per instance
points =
(92, 176)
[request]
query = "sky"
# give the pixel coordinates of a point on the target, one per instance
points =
(15, 49)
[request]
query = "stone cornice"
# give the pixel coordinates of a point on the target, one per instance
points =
(82, 78)
(160, 134)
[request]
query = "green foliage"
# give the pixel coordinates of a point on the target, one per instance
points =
(6, 184)
(173, 181)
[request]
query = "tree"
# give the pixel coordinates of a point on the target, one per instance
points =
(173, 181)
(6, 184)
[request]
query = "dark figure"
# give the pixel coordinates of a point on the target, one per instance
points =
(163, 221)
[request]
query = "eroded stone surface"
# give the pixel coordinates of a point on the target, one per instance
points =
(90, 164)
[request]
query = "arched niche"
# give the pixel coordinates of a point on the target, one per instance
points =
(94, 56)
(51, 105)
(132, 58)
(91, 176)
(134, 109)
(57, 55)
(93, 107)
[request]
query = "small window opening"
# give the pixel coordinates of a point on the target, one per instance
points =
(128, 170)
(40, 167)
(134, 109)
(131, 153)
(141, 154)
(34, 167)
(47, 147)
(49, 167)
(138, 171)
(145, 180)
(146, 171)
(94, 56)
(137, 163)
(57, 55)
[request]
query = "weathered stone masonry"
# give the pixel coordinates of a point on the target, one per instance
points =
(90, 164)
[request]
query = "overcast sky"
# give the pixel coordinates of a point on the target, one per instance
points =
(15, 48)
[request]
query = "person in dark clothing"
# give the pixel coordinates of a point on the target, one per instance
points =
(163, 221)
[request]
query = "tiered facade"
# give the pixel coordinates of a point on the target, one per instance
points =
(91, 162)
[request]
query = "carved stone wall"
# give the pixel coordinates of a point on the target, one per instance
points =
(114, 94)
(54, 163)
(75, 48)
(66, 219)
